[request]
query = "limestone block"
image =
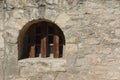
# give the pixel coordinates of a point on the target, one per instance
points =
(92, 41)
(11, 3)
(114, 75)
(80, 45)
(11, 67)
(115, 23)
(113, 56)
(73, 23)
(55, 66)
(90, 59)
(35, 77)
(50, 14)
(71, 35)
(1, 72)
(94, 8)
(16, 18)
(1, 65)
(11, 35)
(62, 19)
(1, 20)
(105, 72)
(42, 10)
(1, 25)
(64, 76)
(117, 32)
(117, 50)
(104, 50)
(71, 48)
(15, 23)
(52, 1)
(1, 41)
(1, 15)
(32, 66)
(109, 40)
(90, 4)
(71, 58)
(48, 76)
(2, 55)
(34, 13)
(43, 76)
(72, 4)
(72, 40)
(108, 17)
(1, 3)
(21, 22)
(18, 13)
(21, 79)
(23, 3)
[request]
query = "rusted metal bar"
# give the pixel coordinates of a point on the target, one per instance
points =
(56, 44)
(43, 40)
(32, 41)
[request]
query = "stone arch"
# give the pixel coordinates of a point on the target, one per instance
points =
(26, 28)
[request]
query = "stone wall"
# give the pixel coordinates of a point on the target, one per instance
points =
(92, 33)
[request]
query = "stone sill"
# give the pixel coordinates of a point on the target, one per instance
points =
(42, 65)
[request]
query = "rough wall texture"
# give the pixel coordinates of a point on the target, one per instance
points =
(92, 33)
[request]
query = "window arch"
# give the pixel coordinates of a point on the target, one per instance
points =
(41, 38)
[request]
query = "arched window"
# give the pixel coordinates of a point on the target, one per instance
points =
(43, 39)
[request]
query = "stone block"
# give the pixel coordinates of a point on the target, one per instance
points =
(11, 3)
(11, 68)
(1, 20)
(90, 59)
(115, 23)
(117, 50)
(32, 66)
(20, 79)
(1, 70)
(50, 14)
(114, 75)
(18, 13)
(117, 32)
(2, 55)
(48, 76)
(92, 41)
(52, 1)
(71, 48)
(42, 10)
(110, 40)
(71, 35)
(10, 63)
(64, 76)
(35, 13)
(1, 25)
(74, 23)
(62, 19)
(1, 5)
(23, 3)
(16, 18)
(11, 36)
(1, 41)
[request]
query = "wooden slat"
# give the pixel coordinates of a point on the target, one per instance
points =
(32, 41)
(56, 44)
(43, 40)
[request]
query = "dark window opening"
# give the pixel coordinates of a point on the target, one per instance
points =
(43, 39)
